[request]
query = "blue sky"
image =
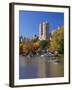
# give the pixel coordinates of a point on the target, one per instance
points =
(29, 21)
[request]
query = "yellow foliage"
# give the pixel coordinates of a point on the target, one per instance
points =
(56, 37)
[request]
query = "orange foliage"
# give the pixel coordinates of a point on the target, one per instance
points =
(35, 46)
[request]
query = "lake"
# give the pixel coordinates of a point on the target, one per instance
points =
(40, 67)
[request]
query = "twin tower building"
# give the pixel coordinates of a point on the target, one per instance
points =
(43, 31)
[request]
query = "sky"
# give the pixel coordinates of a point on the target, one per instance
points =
(29, 21)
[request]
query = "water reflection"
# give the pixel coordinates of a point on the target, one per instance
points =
(40, 67)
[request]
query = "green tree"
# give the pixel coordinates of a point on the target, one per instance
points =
(43, 44)
(61, 48)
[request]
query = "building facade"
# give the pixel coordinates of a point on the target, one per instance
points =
(43, 31)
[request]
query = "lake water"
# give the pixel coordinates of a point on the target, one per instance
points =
(40, 67)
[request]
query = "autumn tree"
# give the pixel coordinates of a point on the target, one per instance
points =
(27, 46)
(57, 40)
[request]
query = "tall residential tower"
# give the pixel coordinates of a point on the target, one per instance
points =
(43, 31)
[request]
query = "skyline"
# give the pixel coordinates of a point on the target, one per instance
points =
(29, 21)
